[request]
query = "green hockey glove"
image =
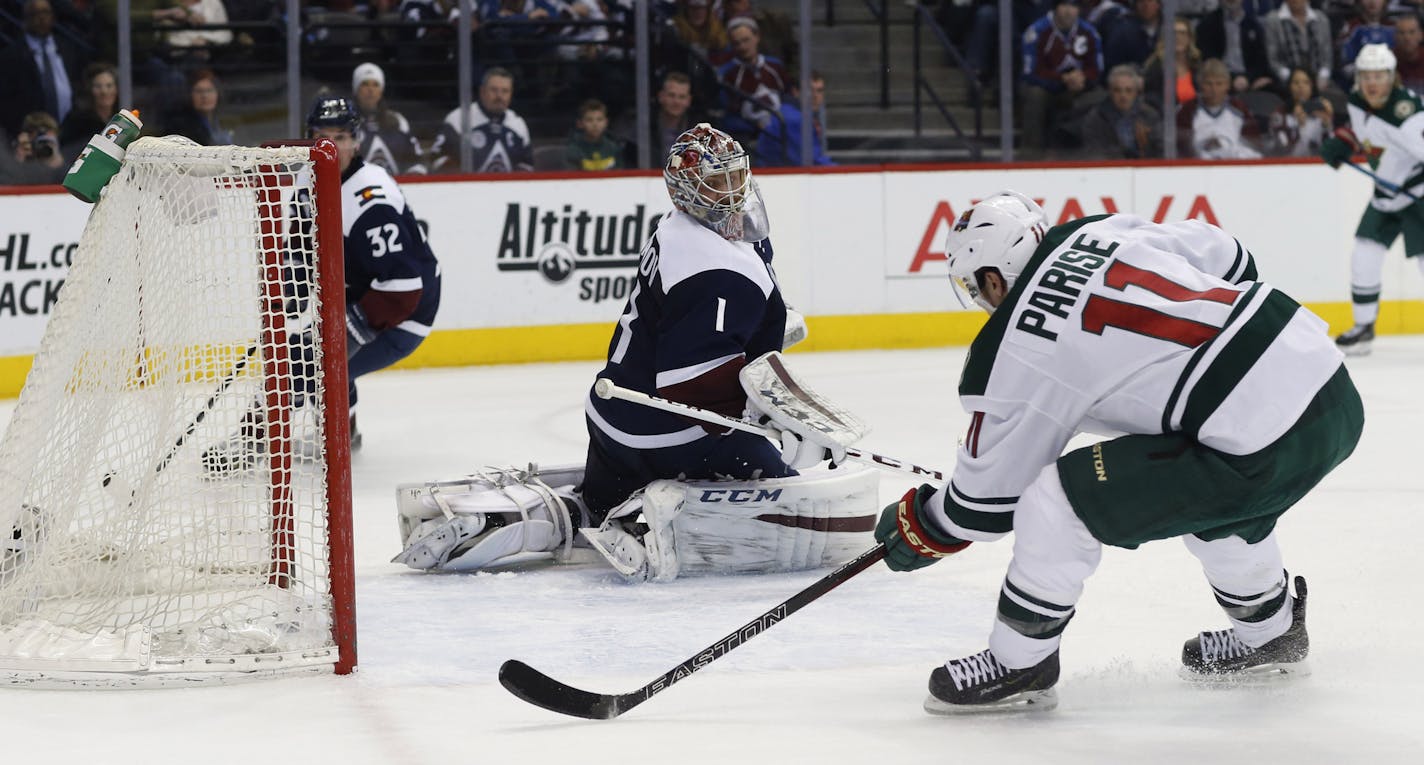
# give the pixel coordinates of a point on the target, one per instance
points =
(911, 542)
(1335, 151)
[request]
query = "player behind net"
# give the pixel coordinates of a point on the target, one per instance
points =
(660, 495)
(1233, 398)
(392, 280)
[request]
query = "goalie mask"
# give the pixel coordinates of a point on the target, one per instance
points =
(1001, 233)
(709, 177)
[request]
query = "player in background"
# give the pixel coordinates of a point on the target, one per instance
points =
(392, 278)
(1233, 398)
(706, 302)
(1388, 128)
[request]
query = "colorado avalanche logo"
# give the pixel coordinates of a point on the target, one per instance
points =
(963, 221)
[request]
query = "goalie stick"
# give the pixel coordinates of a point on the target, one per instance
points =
(606, 388)
(541, 690)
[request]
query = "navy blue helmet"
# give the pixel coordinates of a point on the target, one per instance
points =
(334, 112)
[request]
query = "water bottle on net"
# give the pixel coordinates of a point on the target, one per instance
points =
(103, 157)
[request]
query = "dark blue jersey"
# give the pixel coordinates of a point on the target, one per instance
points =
(390, 270)
(701, 305)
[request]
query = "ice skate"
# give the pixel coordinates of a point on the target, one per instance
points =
(355, 436)
(1358, 340)
(238, 454)
(1220, 655)
(979, 683)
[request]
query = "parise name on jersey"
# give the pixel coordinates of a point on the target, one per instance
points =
(1058, 287)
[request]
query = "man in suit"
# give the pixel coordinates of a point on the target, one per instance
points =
(38, 70)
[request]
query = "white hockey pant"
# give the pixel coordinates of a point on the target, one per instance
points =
(497, 518)
(695, 528)
(1054, 554)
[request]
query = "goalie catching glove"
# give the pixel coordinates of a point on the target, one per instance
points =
(910, 539)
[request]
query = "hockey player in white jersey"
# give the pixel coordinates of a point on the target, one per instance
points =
(659, 495)
(1233, 398)
(1387, 121)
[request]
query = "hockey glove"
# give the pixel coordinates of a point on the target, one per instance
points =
(801, 454)
(358, 330)
(1335, 151)
(910, 541)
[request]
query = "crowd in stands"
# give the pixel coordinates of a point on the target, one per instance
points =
(1253, 77)
(1089, 79)
(723, 61)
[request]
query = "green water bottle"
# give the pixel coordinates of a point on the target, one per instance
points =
(103, 157)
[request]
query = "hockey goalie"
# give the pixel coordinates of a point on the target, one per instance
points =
(661, 494)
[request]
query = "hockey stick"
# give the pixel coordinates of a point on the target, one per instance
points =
(606, 388)
(197, 419)
(1382, 183)
(541, 690)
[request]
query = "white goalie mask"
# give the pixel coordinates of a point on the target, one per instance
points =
(709, 177)
(1000, 232)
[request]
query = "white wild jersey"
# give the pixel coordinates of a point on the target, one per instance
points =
(1116, 326)
(1393, 137)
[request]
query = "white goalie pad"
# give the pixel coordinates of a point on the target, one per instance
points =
(791, 405)
(696, 528)
(497, 518)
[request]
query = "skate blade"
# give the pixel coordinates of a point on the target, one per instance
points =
(1028, 701)
(1265, 674)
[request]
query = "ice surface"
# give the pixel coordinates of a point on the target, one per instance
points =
(839, 682)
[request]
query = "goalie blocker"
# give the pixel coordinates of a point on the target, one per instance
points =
(671, 528)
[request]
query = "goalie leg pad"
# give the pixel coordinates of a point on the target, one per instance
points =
(695, 528)
(497, 518)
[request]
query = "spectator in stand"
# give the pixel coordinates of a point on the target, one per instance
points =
(1299, 125)
(1214, 125)
(701, 31)
(197, 118)
(1134, 36)
(1123, 125)
(38, 70)
(1188, 58)
(781, 145)
(1366, 27)
(1236, 37)
(778, 32)
(194, 44)
(754, 84)
(498, 135)
(386, 140)
(675, 115)
(96, 104)
(1062, 62)
(34, 157)
(1298, 36)
(589, 146)
(1408, 34)
(974, 25)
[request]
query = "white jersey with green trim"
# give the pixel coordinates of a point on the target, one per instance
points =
(1393, 137)
(1122, 326)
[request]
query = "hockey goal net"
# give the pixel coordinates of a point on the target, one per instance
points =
(203, 315)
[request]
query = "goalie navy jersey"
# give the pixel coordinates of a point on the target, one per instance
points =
(700, 302)
(386, 250)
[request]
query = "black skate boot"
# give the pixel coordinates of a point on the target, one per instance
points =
(1220, 655)
(979, 683)
(240, 453)
(1358, 340)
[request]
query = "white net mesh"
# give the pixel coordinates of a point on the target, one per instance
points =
(163, 479)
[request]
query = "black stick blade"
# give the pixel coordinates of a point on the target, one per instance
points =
(541, 690)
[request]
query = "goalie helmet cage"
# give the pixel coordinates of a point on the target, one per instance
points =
(207, 294)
